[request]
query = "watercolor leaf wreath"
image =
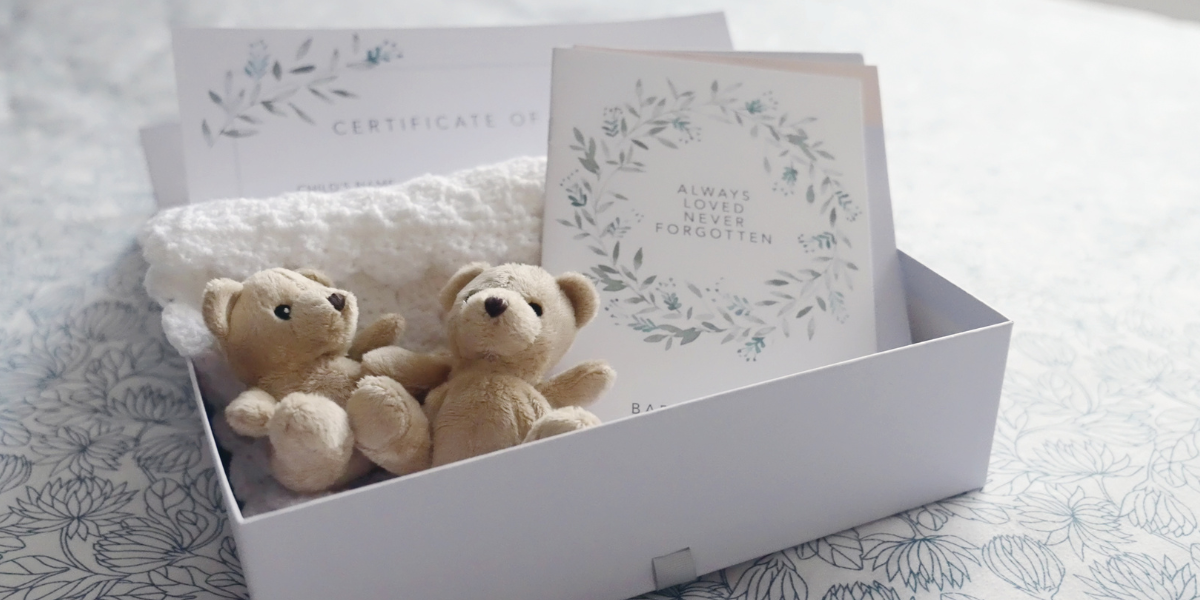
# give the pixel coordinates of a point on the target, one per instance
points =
(678, 313)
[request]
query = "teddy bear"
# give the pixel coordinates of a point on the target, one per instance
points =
(506, 327)
(290, 337)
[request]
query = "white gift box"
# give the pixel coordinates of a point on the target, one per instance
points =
(699, 486)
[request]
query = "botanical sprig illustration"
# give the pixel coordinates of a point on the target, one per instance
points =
(270, 86)
(672, 312)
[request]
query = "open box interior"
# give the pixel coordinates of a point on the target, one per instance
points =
(729, 477)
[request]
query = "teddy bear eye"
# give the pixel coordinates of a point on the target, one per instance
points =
(537, 308)
(283, 311)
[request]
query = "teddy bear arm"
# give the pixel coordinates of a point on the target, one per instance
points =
(249, 413)
(418, 372)
(580, 385)
(335, 379)
(384, 332)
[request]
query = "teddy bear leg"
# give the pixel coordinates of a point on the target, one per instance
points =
(561, 420)
(358, 466)
(312, 443)
(249, 413)
(389, 426)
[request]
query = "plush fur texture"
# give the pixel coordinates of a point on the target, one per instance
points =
(500, 349)
(286, 334)
(420, 232)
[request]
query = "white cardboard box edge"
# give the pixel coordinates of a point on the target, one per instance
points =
(733, 477)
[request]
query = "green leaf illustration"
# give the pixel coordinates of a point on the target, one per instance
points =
(320, 95)
(303, 49)
(688, 336)
(670, 119)
(299, 113)
(241, 101)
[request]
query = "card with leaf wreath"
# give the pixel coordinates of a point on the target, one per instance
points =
(732, 211)
(268, 111)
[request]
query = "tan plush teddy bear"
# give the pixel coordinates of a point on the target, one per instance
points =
(507, 326)
(290, 336)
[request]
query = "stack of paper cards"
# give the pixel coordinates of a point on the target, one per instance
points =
(731, 208)
(269, 111)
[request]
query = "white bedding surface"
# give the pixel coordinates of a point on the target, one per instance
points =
(1042, 155)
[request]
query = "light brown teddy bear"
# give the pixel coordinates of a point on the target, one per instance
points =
(507, 326)
(290, 337)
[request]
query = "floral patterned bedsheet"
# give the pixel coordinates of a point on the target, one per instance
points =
(1042, 155)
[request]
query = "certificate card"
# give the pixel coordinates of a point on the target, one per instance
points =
(269, 111)
(722, 205)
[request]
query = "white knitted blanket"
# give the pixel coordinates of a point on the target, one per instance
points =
(393, 247)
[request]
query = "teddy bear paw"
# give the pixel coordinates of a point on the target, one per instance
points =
(311, 442)
(562, 420)
(250, 412)
(580, 385)
(389, 426)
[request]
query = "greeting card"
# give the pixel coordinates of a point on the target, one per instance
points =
(723, 205)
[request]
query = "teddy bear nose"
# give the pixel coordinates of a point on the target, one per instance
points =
(338, 301)
(495, 306)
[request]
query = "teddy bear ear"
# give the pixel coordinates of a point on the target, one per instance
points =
(582, 294)
(219, 297)
(458, 281)
(316, 276)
